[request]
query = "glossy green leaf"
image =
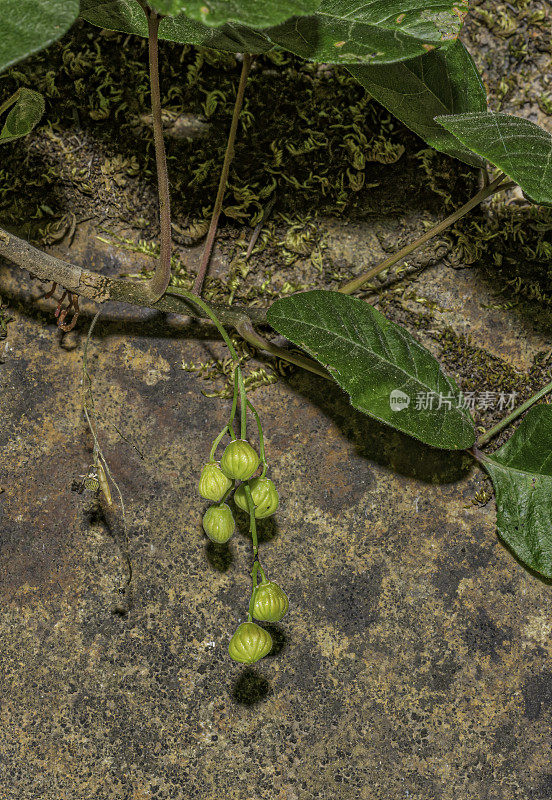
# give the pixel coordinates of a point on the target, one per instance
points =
(518, 147)
(27, 107)
(27, 26)
(253, 13)
(127, 16)
(418, 90)
(378, 32)
(375, 32)
(386, 372)
(521, 471)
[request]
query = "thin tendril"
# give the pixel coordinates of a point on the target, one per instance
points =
(91, 419)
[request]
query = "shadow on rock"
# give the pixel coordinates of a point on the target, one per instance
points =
(97, 512)
(279, 638)
(378, 442)
(219, 556)
(251, 687)
(267, 529)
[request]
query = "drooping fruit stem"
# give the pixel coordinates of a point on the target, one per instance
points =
(252, 521)
(193, 298)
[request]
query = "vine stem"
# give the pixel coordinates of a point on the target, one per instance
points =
(101, 288)
(514, 415)
(158, 284)
(228, 156)
(238, 377)
(496, 186)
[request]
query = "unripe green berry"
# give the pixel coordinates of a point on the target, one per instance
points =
(250, 643)
(270, 603)
(239, 461)
(213, 483)
(264, 494)
(218, 523)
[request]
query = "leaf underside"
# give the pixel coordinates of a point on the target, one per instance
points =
(521, 472)
(378, 32)
(27, 26)
(444, 81)
(371, 357)
(254, 13)
(515, 145)
(27, 107)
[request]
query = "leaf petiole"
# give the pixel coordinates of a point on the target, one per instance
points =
(513, 416)
(496, 186)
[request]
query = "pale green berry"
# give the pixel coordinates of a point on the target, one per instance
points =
(239, 461)
(270, 603)
(250, 643)
(264, 495)
(218, 523)
(213, 483)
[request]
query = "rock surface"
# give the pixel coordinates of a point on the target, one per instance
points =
(415, 660)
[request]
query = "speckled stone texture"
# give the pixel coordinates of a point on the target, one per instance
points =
(414, 661)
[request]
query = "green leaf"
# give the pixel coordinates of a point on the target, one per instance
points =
(27, 26)
(521, 472)
(416, 91)
(377, 362)
(380, 31)
(128, 17)
(254, 13)
(28, 108)
(518, 147)
(374, 32)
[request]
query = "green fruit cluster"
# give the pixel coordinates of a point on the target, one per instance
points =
(239, 462)
(268, 601)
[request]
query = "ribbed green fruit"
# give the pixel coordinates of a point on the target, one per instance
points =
(218, 523)
(213, 483)
(250, 643)
(239, 461)
(270, 602)
(264, 494)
